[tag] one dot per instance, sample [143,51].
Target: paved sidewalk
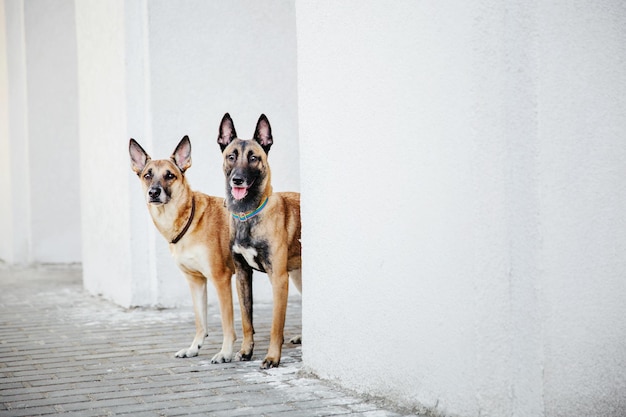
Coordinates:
[63,351]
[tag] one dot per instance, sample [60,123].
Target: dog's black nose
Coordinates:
[237,181]
[154,192]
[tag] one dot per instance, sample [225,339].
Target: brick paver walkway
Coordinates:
[63,351]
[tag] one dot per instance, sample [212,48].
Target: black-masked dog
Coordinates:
[196,227]
[265,230]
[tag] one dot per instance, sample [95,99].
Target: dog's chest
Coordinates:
[192,259]
[255,252]
[249,254]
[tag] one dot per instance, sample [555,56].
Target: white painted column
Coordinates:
[462,209]
[15,208]
[39,139]
[6,210]
[52,102]
[582,163]
[115,248]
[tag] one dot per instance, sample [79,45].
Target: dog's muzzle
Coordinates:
[156,195]
[239,187]
[238,181]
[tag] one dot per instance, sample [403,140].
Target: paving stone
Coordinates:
[30,411]
[21,397]
[262,410]
[65,352]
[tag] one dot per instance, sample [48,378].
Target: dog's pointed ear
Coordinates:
[263,133]
[138,157]
[227,132]
[182,154]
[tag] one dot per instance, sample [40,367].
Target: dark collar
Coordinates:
[182,233]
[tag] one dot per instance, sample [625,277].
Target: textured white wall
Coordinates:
[40,211]
[462,209]
[109,250]
[582,164]
[6,212]
[51,79]
[16,210]
[391,227]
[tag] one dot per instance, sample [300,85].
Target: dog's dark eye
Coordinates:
[231,157]
[169,176]
[253,158]
[148,175]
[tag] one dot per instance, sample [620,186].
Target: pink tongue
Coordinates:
[239,192]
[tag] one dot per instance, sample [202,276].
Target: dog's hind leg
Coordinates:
[225,296]
[244,291]
[280,292]
[197,285]
[296,279]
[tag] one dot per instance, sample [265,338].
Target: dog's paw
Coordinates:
[269,362]
[221,358]
[296,340]
[187,353]
[243,356]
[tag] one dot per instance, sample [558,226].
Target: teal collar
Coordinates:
[245,216]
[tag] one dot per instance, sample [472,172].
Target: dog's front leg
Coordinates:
[225,295]
[244,291]
[197,285]
[280,292]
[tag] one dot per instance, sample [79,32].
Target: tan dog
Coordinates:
[265,230]
[196,226]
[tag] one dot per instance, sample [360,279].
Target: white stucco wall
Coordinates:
[582,162]
[157,71]
[6,210]
[53,130]
[108,247]
[16,210]
[40,211]
[462,209]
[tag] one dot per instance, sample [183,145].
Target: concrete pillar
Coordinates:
[115,264]
[15,215]
[582,166]
[6,211]
[40,211]
[52,100]
[462,209]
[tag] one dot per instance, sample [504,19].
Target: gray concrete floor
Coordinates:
[63,351]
